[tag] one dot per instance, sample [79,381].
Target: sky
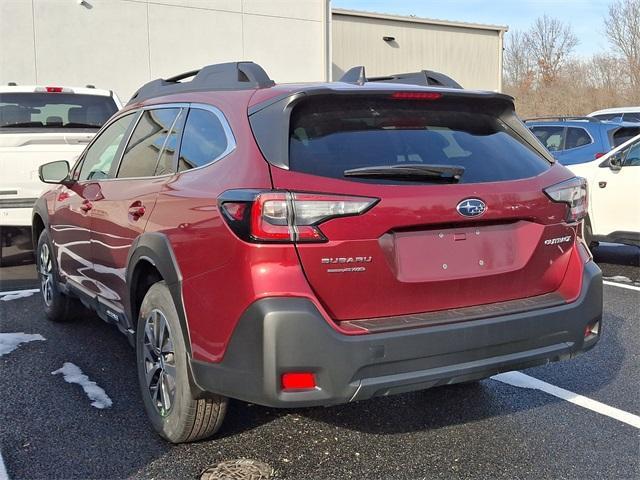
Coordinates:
[586,17]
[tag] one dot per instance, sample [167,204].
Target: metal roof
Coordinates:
[412,19]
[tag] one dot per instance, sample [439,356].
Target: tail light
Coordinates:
[574,193]
[285,217]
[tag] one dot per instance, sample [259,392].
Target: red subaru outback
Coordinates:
[315,244]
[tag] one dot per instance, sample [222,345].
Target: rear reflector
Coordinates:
[573,192]
[298,381]
[416,95]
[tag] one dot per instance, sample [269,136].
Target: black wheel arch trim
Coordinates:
[155,248]
[39,209]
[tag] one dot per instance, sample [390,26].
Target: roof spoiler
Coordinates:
[222,76]
[423,78]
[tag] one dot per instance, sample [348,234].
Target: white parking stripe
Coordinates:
[15,292]
[519,379]
[621,285]
[3,470]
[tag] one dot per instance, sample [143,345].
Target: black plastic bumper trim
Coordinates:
[284,334]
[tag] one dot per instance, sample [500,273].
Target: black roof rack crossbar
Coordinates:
[424,78]
[222,76]
[562,118]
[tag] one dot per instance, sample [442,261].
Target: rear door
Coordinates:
[429,243]
[127,199]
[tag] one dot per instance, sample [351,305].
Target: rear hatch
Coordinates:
[458,217]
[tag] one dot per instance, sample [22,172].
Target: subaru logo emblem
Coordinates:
[471,207]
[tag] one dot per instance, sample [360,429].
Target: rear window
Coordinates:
[330,135]
[54,110]
[622,135]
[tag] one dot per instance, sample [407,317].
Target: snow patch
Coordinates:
[10,341]
[73,374]
[619,278]
[15,295]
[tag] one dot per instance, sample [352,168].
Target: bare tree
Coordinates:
[623,31]
[519,64]
[552,42]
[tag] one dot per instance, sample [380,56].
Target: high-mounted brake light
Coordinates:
[54,89]
[574,193]
[416,95]
[284,217]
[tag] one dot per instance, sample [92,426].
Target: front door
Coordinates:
[71,219]
[615,194]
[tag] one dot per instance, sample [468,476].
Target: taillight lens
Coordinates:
[286,216]
[574,193]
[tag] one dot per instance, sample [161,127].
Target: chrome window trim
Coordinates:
[231,141]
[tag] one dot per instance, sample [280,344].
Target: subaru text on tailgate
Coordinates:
[314,244]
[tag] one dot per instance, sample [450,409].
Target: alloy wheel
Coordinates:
[159,362]
[46,274]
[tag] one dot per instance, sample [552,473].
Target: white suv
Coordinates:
[614,194]
[620,114]
[39,124]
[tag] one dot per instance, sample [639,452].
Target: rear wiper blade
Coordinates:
[410,172]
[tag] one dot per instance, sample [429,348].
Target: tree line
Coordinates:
[545,76]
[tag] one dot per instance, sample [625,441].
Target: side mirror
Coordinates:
[615,162]
[55,172]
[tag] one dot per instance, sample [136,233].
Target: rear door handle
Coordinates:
[136,210]
[86,206]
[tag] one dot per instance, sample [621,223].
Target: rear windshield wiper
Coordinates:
[410,172]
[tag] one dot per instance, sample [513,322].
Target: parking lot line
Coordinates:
[3,470]
[15,292]
[519,379]
[621,285]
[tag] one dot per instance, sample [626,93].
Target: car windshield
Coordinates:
[54,110]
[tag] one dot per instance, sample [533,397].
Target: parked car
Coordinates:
[314,244]
[573,140]
[39,124]
[620,114]
[614,198]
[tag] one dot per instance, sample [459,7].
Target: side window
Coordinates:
[632,117]
[145,150]
[204,139]
[99,158]
[551,137]
[632,157]
[576,137]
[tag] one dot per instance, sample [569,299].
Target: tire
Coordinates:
[163,374]
[57,306]
[587,231]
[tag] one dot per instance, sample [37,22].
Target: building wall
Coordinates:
[120,44]
[471,56]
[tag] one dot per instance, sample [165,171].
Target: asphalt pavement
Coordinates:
[48,428]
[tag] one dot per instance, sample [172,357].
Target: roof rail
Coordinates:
[424,78]
[90,86]
[563,118]
[222,76]
[12,84]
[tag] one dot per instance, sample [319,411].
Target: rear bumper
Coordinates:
[278,335]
